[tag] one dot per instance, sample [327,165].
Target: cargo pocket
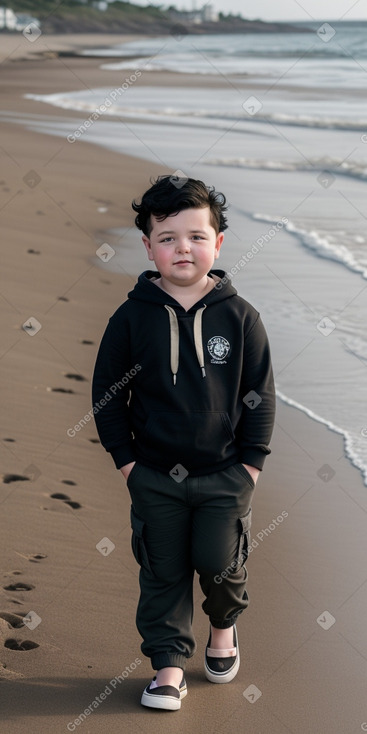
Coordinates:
[245,537]
[137,541]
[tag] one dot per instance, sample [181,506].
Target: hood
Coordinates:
[146,290]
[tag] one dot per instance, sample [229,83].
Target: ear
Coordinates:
[218,244]
[148,246]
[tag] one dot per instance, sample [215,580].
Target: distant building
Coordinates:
[15,21]
[8,19]
[209,14]
[100,4]
[97,4]
[206,14]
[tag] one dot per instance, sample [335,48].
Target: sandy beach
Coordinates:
[67,617]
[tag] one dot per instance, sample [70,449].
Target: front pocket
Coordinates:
[244,473]
[133,471]
[137,541]
[195,437]
[244,537]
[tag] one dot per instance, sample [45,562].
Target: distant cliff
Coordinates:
[72,16]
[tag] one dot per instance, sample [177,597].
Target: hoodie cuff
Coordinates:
[122,455]
[253,457]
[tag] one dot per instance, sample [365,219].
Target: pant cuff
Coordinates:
[224,625]
[168,659]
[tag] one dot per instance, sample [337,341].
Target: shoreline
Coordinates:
[14,46]
[87,602]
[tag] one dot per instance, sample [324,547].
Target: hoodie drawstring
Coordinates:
[198,338]
[175,340]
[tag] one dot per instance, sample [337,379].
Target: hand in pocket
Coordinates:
[125,470]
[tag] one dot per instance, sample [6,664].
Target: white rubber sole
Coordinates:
[169,703]
[223,677]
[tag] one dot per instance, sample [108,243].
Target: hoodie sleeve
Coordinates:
[258,394]
[110,393]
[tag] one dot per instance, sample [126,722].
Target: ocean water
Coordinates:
[267,55]
[284,136]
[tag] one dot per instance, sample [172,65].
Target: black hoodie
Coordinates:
[184,387]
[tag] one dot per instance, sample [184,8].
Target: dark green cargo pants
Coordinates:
[182,524]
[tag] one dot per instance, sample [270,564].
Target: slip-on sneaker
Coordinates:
[164,697]
[221,666]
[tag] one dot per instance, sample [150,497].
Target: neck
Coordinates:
[197,289]
[188,295]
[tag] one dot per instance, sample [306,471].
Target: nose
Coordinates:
[183,245]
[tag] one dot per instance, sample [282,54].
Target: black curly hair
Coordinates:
[170,194]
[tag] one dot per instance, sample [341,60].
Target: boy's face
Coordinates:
[183,246]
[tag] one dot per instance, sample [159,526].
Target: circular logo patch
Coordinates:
[218,348]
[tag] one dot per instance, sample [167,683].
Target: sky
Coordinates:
[278,9]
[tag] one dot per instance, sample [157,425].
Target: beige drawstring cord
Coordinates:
[175,340]
[198,338]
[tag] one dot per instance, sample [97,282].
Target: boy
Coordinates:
[187,366]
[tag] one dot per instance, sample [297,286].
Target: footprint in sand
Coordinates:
[19,586]
[104,202]
[37,557]
[60,389]
[62,298]
[14,644]
[86,341]
[10,440]
[32,557]
[15,620]
[7,621]
[94,440]
[65,498]
[75,376]
[33,252]
[8,478]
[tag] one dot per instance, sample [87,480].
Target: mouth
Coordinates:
[183,262]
